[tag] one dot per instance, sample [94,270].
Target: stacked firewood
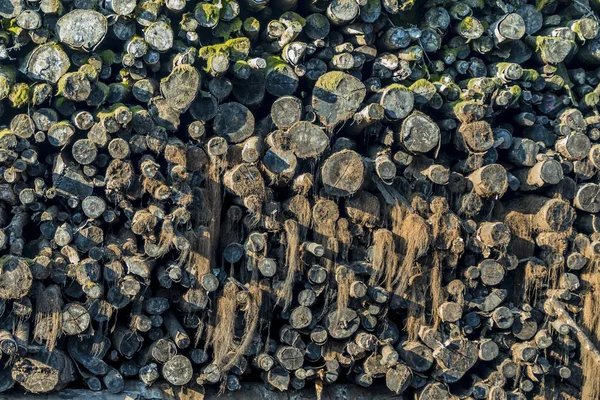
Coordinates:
[303,193]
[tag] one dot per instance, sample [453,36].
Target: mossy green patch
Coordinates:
[104,89]
[469,23]
[39,92]
[415,53]
[14,28]
[109,111]
[61,102]
[553,49]
[530,75]
[515,92]
[188,23]
[591,99]
[90,72]
[292,17]
[422,86]
[69,76]
[483,85]
[275,63]
[540,42]
[19,95]
[449,51]
[207,14]
[236,49]
[407,5]
[240,65]
[540,4]
[108,57]
[226,29]
[330,81]
[5,131]
[9,73]
[136,109]
[251,24]
[5,86]
[463,109]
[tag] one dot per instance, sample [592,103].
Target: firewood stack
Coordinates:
[381,192]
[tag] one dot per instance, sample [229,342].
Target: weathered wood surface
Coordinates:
[305,193]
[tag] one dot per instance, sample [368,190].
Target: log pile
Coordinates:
[391,193]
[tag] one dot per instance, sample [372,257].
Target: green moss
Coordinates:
[503,68]
[468,23]
[226,29]
[275,63]
[415,53]
[423,90]
[38,92]
[62,82]
[95,61]
[422,85]
[9,72]
[19,95]
[136,109]
[471,28]
[240,64]
[540,4]
[206,52]
[292,17]
[108,57]
[90,72]
[448,51]
[397,86]
[591,99]
[209,66]
[463,108]
[5,131]
[104,89]
[330,81]
[61,102]
[547,47]
[483,85]
[179,70]
[209,13]
[530,75]
[555,82]
[109,112]
[515,91]
[407,5]
[188,23]
[7,257]
[584,26]
[236,49]
[251,24]
[5,86]
[123,74]
[14,28]
[540,42]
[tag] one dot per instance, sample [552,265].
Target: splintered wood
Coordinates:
[209,194]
